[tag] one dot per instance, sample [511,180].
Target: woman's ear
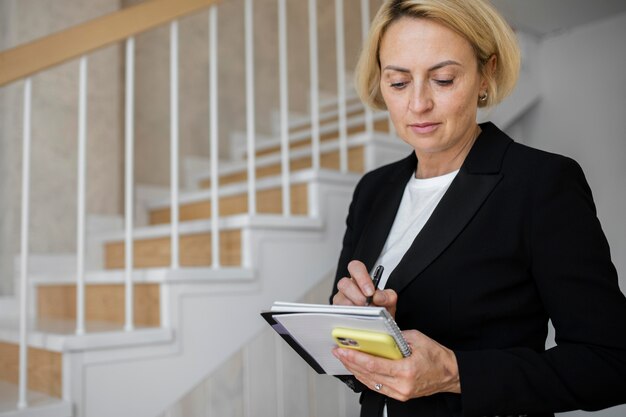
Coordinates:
[489,70]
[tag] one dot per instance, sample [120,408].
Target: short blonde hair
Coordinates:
[475,20]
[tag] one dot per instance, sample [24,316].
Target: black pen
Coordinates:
[378,272]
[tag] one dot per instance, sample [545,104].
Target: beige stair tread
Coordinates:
[60,335]
[257,221]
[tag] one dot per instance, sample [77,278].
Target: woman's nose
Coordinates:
[420,100]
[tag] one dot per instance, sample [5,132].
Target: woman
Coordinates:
[483,240]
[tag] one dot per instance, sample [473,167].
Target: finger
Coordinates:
[385,386]
[386,298]
[342,300]
[413,336]
[390,386]
[360,274]
[418,340]
[364,363]
[349,293]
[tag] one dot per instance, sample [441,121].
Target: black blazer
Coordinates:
[514,242]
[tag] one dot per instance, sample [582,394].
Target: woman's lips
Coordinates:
[423,127]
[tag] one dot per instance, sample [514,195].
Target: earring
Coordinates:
[483,97]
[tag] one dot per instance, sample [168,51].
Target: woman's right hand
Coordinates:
[355,289]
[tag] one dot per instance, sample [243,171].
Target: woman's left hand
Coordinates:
[430,369]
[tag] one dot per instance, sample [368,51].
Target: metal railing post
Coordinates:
[315,105]
[365,25]
[174,183]
[284,106]
[129,140]
[23,349]
[341,86]
[214,138]
[81,195]
[250,107]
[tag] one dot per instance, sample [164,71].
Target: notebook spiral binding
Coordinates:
[395,331]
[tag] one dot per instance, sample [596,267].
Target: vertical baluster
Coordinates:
[26,137]
[365,24]
[129,140]
[175,262]
[284,105]
[214,136]
[341,86]
[81,210]
[250,107]
[315,102]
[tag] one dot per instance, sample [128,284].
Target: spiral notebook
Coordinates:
[307,329]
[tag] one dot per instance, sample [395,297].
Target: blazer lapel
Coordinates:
[383,213]
[477,178]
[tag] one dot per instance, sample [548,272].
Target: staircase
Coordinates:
[188,321]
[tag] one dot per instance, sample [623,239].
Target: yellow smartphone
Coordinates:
[374,343]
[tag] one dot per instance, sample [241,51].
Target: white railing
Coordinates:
[23,366]
[174,183]
[314,91]
[250,118]
[341,86]
[214,137]
[129,140]
[365,25]
[213,117]
[284,105]
[81,206]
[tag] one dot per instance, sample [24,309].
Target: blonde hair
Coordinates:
[475,20]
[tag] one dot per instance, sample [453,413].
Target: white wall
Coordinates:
[583,115]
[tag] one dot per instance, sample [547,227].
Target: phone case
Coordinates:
[375,343]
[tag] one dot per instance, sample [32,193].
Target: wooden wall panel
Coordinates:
[195,250]
[44,368]
[103,303]
[268,202]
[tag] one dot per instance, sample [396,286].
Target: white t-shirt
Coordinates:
[419,200]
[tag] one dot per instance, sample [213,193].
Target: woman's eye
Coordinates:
[398,85]
[444,82]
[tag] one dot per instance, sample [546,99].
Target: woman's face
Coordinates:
[430,83]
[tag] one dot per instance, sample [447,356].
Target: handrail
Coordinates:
[30,58]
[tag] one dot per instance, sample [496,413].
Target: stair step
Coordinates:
[44,368]
[195,250]
[268,201]
[328,111]
[39,404]
[329,132]
[103,303]
[60,335]
[303,137]
[328,160]
[353,111]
